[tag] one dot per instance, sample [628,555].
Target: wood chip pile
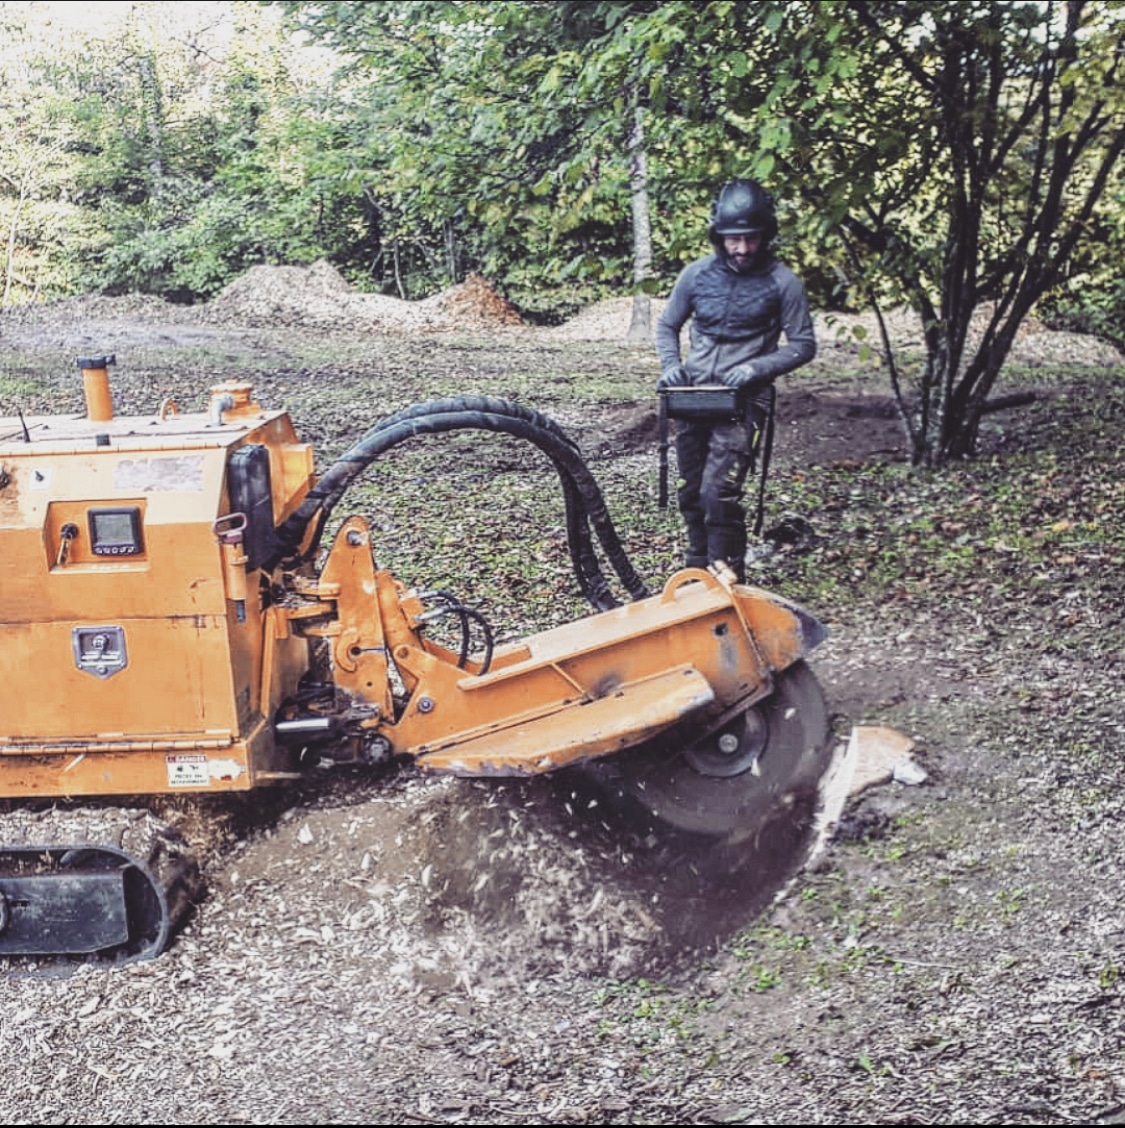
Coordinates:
[317,297]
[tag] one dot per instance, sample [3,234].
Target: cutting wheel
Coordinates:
[733,779]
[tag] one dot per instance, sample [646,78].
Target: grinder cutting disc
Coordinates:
[729,782]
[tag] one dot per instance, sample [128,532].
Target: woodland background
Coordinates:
[943,157]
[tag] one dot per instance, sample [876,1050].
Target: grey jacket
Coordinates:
[737,319]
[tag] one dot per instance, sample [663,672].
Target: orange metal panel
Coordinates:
[177,680]
[166,767]
[583,661]
[625,717]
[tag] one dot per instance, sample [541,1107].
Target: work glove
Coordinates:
[673,377]
[746,378]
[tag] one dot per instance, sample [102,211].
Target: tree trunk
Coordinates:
[451,252]
[10,271]
[153,102]
[398,269]
[640,327]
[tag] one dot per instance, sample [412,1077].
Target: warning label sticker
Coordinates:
[188,770]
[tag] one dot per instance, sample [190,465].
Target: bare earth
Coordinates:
[383,948]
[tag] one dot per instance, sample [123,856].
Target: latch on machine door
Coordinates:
[99,650]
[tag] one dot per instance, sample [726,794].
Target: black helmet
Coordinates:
[743,207]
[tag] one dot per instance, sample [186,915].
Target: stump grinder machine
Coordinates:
[172,625]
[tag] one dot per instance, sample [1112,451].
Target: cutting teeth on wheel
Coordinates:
[731,784]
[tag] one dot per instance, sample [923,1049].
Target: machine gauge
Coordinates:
[116,532]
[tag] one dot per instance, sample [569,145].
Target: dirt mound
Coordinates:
[606,320]
[319,297]
[283,283]
[475,301]
[1035,346]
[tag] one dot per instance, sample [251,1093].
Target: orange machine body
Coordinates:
[126,666]
[150,645]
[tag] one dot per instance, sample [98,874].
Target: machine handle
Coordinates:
[230,527]
[66,534]
[687,576]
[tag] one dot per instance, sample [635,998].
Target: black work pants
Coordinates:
[714,460]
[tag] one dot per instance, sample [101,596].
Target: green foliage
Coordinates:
[491,153]
[13,387]
[186,164]
[413,142]
[41,223]
[1091,297]
[1095,309]
[907,130]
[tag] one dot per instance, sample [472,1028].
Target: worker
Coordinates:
[741,300]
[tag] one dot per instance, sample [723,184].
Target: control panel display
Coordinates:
[116,532]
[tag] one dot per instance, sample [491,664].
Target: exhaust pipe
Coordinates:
[95,387]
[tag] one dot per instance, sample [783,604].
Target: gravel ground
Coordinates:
[402,950]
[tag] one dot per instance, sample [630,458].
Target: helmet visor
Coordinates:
[735,228]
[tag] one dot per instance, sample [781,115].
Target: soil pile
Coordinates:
[318,297]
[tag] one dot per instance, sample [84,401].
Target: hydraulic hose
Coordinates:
[584,561]
[585,505]
[464,615]
[584,501]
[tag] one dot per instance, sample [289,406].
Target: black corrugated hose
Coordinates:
[585,505]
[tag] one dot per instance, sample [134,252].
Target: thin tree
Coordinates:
[958,153]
